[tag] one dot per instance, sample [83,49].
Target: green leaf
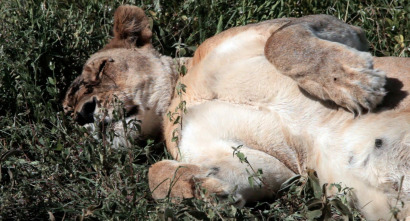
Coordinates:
[337,185]
[52,65]
[311,215]
[241,156]
[289,182]
[169,214]
[199,215]
[314,183]
[314,204]
[183,70]
[220,24]
[211,214]
[59,146]
[51,80]
[251,181]
[176,121]
[182,52]
[343,209]
[183,87]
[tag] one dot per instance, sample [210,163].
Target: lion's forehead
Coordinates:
[123,54]
[140,61]
[124,69]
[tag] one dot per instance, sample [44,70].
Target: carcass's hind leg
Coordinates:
[325,56]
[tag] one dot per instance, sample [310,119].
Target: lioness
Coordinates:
[290,94]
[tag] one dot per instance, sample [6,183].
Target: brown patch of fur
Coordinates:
[182,181]
[316,51]
[170,178]
[131,28]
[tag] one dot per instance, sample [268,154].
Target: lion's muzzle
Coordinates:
[86,114]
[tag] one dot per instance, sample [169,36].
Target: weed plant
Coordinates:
[53,169]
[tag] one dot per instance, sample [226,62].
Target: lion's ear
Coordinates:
[131,27]
[93,71]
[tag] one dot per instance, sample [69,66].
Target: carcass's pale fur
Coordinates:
[286,115]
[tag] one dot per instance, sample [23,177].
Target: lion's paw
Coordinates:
[208,187]
[362,89]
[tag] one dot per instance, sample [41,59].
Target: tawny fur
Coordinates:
[131,28]
[279,91]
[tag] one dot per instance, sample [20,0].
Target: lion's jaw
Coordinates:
[132,84]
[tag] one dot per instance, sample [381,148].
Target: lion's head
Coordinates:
[127,73]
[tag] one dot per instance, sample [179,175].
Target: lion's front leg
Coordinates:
[222,174]
[176,180]
[325,56]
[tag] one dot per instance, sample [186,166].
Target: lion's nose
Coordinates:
[86,115]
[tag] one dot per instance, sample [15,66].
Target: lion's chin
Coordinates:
[118,135]
[125,132]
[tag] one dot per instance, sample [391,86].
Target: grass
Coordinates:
[50,167]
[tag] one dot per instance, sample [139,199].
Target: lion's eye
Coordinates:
[89,90]
[102,66]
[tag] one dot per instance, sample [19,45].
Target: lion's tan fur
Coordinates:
[280,90]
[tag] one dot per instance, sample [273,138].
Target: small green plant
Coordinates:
[253,174]
[176,117]
[313,201]
[396,208]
